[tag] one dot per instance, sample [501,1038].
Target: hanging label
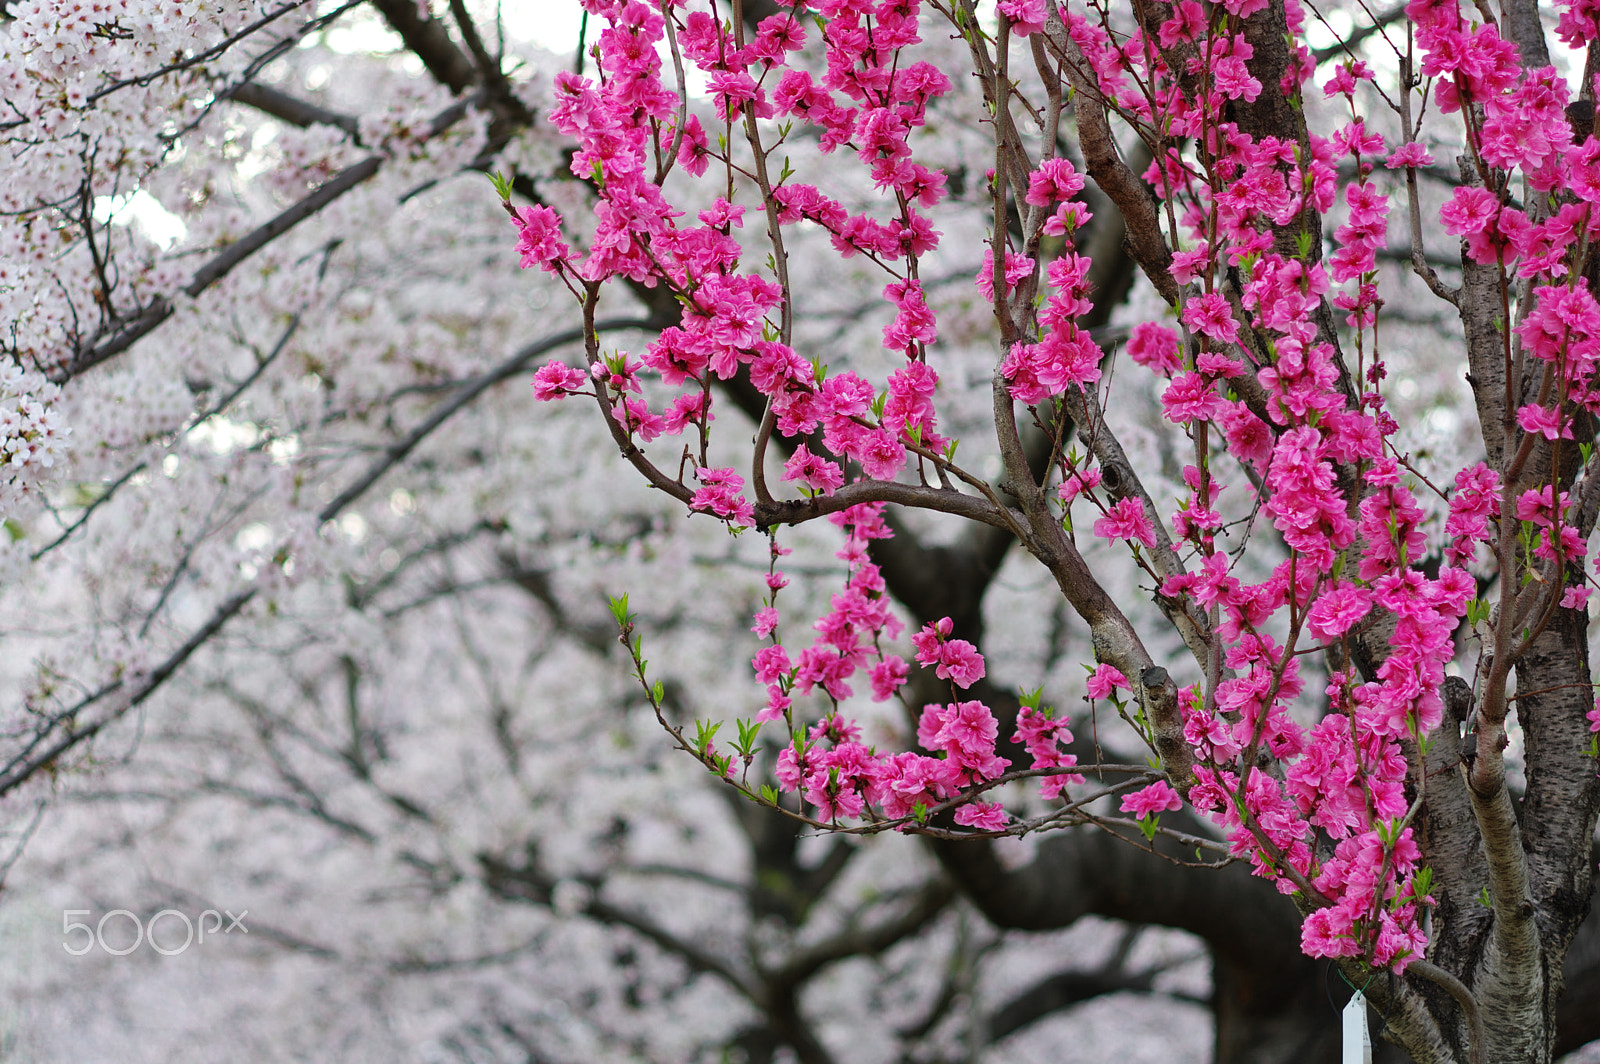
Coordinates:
[1357,1042]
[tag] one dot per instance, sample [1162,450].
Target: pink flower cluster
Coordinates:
[955,660]
[627,123]
[1344,779]
[1066,355]
[843,779]
[1250,361]
[1042,734]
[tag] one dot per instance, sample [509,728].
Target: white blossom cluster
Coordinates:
[94,96]
[70,46]
[129,409]
[32,435]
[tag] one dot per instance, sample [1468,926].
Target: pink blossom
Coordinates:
[1469,210]
[771,663]
[1337,610]
[1187,23]
[888,676]
[1190,397]
[539,238]
[814,472]
[721,496]
[1316,443]
[1105,679]
[881,455]
[692,408]
[1054,181]
[913,322]
[776,706]
[1127,520]
[967,725]
[1159,797]
[1077,482]
[1544,421]
[956,659]
[985,816]
[555,380]
[1017,267]
[1156,347]
[960,662]
[1329,933]
[1409,154]
[930,638]
[1211,316]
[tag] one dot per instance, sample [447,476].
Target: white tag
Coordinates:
[1357,1043]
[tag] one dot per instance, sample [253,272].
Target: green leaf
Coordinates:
[769,794]
[1148,824]
[705,731]
[502,185]
[1483,898]
[619,610]
[747,736]
[1477,610]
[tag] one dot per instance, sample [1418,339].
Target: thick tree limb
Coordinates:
[1520,22]
[427,38]
[291,109]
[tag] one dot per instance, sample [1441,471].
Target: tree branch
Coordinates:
[124,334]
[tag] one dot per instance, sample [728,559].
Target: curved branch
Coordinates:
[1469,1005]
